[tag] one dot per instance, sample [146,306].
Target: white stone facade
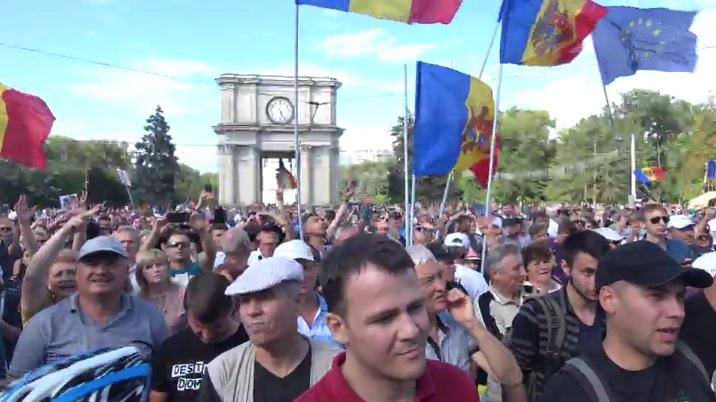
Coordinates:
[247,134]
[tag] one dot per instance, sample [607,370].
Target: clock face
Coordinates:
[280,110]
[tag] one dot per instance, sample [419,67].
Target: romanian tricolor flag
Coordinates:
[25,124]
[650,175]
[453,126]
[284,178]
[408,11]
[546,32]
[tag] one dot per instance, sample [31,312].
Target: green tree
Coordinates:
[429,189]
[156,167]
[190,182]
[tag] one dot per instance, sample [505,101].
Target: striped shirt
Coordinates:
[528,341]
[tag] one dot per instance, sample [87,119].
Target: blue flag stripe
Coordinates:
[342,5]
[517,22]
[441,116]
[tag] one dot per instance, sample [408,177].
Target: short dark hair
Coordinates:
[567,227]
[205,299]
[537,251]
[537,228]
[588,242]
[219,226]
[351,258]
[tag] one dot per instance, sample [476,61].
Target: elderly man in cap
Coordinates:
[313,309]
[470,279]
[641,290]
[278,364]
[99,315]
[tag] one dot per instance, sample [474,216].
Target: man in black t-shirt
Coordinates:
[700,322]
[641,290]
[179,364]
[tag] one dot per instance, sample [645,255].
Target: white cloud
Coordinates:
[362,138]
[176,86]
[375,42]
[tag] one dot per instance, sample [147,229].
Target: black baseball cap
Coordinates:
[646,264]
[442,253]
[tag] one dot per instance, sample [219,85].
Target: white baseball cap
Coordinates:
[457,240]
[266,274]
[680,222]
[706,262]
[294,250]
[609,234]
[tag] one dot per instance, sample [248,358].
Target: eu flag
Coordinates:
[630,39]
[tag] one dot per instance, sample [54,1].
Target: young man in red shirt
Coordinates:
[377,309]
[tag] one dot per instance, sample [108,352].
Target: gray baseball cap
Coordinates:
[102,244]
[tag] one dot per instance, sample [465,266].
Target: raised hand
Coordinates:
[23,211]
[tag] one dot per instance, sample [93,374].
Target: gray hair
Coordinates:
[236,241]
[128,229]
[420,254]
[497,255]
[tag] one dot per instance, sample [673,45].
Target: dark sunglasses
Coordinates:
[420,229]
[655,220]
[178,244]
[5,229]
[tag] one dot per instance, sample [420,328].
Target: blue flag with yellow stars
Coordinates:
[630,39]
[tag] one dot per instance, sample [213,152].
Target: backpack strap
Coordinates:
[588,379]
[556,327]
[684,350]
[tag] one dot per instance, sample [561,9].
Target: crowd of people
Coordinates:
[571,302]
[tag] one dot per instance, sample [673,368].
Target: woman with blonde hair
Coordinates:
[157,287]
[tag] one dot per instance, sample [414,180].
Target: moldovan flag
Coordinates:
[25,124]
[408,11]
[546,32]
[453,124]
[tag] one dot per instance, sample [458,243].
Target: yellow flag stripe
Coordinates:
[397,10]
[4,118]
[479,104]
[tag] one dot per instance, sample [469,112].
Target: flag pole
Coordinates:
[296,140]
[482,70]
[632,141]
[493,140]
[412,213]
[405,157]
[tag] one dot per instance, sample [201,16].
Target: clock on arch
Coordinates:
[280,110]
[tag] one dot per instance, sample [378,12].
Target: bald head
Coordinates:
[236,242]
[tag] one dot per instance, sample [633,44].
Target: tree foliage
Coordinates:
[672,133]
[155,165]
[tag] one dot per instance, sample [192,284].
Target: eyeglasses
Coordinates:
[704,237]
[5,229]
[655,220]
[178,244]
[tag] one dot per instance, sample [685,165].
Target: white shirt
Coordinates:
[220,257]
[471,280]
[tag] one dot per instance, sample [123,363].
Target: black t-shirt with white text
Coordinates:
[669,379]
[179,364]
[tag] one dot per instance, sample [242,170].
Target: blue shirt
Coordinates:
[319,331]
[63,330]
[455,345]
[678,250]
[182,276]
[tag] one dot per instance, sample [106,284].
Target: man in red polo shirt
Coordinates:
[376,309]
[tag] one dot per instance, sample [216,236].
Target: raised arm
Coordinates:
[347,195]
[283,217]
[24,220]
[199,224]
[153,239]
[35,281]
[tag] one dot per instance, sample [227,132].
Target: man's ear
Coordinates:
[565,268]
[608,299]
[338,327]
